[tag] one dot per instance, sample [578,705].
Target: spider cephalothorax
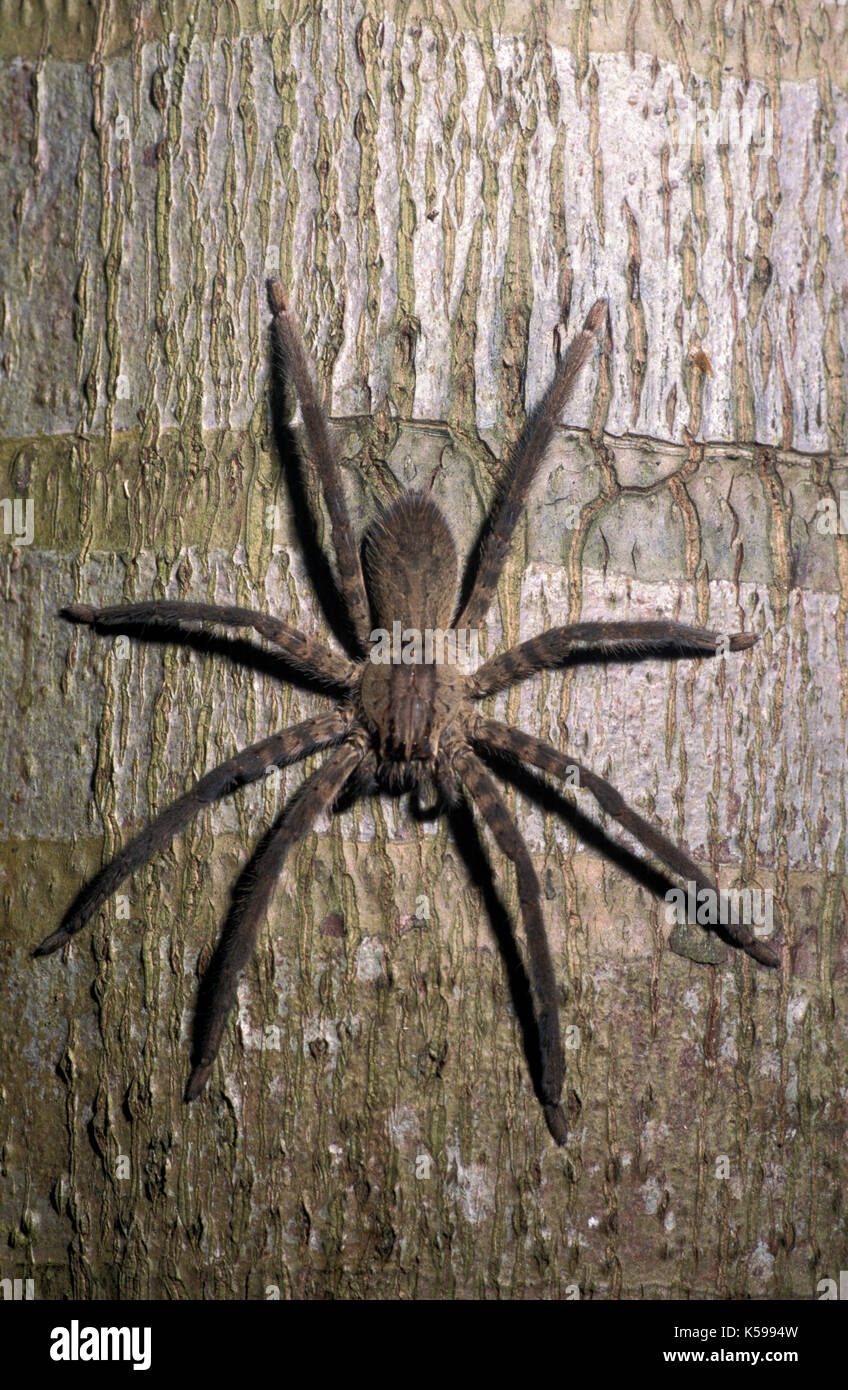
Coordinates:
[410,694]
[408,712]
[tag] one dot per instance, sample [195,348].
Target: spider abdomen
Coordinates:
[411,566]
[413,683]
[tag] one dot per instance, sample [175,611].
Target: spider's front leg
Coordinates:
[524,465]
[291,356]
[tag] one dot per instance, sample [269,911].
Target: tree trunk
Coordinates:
[439,192]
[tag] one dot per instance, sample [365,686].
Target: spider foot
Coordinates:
[197,1080]
[54,942]
[556,1122]
[276,295]
[79,613]
[765,952]
[595,316]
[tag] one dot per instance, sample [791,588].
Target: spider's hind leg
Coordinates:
[524,465]
[551,1067]
[235,948]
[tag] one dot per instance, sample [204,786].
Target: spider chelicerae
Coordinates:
[409,723]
